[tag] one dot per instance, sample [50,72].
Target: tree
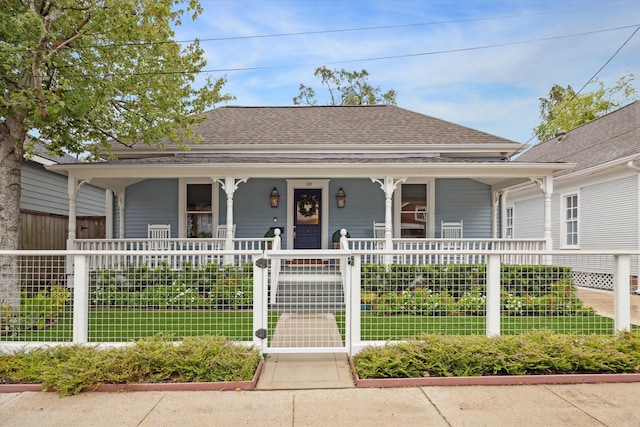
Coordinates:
[345,88]
[80,74]
[564,109]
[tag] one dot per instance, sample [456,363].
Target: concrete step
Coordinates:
[307,308]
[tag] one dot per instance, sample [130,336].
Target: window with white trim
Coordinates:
[199,210]
[570,220]
[508,221]
[414,211]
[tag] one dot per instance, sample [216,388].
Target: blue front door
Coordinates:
[308,234]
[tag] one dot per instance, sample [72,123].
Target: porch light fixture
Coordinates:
[341,198]
[274,197]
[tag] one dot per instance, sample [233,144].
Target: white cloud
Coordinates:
[495,90]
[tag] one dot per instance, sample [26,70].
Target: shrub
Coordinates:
[70,369]
[531,353]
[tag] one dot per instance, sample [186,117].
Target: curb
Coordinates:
[192,386]
[497,380]
[492,380]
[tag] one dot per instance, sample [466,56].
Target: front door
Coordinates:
[308,229]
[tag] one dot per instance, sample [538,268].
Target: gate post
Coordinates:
[80,300]
[493,295]
[259,313]
[355,319]
[621,297]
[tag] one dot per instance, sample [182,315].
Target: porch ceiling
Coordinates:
[118,175]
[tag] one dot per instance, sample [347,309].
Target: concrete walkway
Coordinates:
[602,302]
[542,405]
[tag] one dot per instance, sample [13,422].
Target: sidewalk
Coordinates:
[541,405]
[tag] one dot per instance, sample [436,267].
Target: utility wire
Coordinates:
[271,67]
[333,31]
[591,79]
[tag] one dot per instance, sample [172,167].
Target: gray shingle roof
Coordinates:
[322,127]
[378,124]
[606,139]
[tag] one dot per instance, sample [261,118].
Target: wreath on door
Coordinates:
[311,202]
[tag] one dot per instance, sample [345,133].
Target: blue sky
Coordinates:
[438,55]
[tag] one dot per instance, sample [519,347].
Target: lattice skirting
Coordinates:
[600,280]
[593,280]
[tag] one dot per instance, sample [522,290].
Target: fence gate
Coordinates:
[306,306]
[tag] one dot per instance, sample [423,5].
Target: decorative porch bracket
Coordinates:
[546,186]
[389,185]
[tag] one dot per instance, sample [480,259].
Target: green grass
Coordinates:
[119,325]
[396,327]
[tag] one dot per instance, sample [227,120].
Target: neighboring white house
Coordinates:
[595,205]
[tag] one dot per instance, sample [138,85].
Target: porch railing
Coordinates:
[434,251]
[207,250]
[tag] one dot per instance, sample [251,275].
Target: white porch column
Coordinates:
[121,228]
[546,185]
[73,187]
[72,191]
[230,185]
[496,197]
[108,226]
[547,191]
[389,185]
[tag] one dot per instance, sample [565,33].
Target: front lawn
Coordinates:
[121,325]
[376,328]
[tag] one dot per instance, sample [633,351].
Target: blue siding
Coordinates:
[45,191]
[156,201]
[252,211]
[365,203]
[466,200]
[152,201]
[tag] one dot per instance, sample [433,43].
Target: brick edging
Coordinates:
[492,380]
[192,386]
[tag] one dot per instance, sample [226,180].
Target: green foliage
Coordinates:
[203,286]
[70,369]
[532,353]
[460,289]
[473,302]
[84,75]
[345,88]
[36,311]
[564,109]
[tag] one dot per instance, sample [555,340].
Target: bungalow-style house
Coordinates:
[596,204]
[312,170]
